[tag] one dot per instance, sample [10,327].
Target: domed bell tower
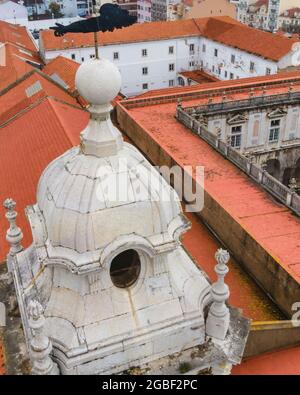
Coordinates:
[115,285]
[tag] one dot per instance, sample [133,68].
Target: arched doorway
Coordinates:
[125,268]
[273,167]
[181,81]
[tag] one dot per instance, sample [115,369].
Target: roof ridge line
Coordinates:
[24,110]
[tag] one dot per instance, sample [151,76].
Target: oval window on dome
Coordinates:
[125,268]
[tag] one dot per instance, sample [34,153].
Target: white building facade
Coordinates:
[14,13]
[156,64]
[144,11]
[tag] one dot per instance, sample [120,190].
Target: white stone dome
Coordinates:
[75,198]
[105,189]
[98,81]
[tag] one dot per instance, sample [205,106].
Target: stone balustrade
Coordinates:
[284,194]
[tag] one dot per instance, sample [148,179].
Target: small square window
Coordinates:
[145,86]
[116,55]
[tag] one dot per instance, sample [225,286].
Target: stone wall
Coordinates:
[268,273]
[270,336]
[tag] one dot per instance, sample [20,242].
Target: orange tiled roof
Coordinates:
[65,69]
[273,225]
[199,76]
[248,39]
[14,63]
[291,12]
[281,362]
[28,143]
[17,96]
[17,35]
[221,29]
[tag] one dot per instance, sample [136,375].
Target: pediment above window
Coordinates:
[277,113]
[237,119]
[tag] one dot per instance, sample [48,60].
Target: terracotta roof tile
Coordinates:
[199,76]
[15,63]
[27,145]
[16,34]
[248,39]
[17,97]
[281,362]
[64,68]
[291,12]
[222,29]
[221,85]
[137,32]
[273,225]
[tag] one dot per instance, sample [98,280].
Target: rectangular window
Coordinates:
[236,136]
[231,76]
[192,48]
[171,50]
[252,65]
[226,74]
[145,86]
[73,56]
[274,130]
[144,52]
[116,55]
[203,48]
[145,70]
[192,64]
[92,56]
[268,71]
[171,67]
[82,59]
[171,82]
[216,52]
[213,68]
[232,58]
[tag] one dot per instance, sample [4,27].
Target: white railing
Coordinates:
[284,194]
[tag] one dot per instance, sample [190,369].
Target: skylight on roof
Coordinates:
[33,89]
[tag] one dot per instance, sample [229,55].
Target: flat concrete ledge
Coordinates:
[271,336]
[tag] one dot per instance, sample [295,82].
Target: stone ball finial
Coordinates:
[9,204]
[98,81]
[222,256]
